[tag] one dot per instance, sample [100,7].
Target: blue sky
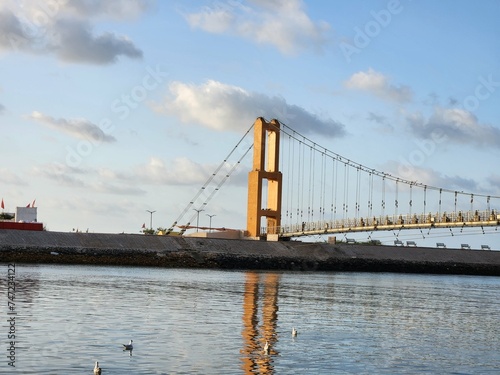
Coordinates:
[109,109]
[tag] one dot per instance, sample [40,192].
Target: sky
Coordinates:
[110,109]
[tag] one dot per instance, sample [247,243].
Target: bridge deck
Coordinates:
[387,223]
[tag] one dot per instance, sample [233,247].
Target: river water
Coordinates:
[217,322]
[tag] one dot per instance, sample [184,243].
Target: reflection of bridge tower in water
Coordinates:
[265,170]
[254,334]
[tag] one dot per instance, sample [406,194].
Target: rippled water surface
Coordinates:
[217,322]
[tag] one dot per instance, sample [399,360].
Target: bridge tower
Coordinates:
[265,168]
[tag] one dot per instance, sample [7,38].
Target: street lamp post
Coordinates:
[198,217]
[151,219]
[210,227]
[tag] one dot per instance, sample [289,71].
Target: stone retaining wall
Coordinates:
[165,251]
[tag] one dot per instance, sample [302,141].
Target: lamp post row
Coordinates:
[210,227]
[197,219]
[151,219]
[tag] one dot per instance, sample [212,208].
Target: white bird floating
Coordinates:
[97,369]
[294,332]
[128,346]
[266,348]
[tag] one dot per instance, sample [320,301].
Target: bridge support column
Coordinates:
[265,168]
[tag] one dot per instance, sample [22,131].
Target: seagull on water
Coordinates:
[97,369]
[266,348]
[128,346]
[294,332]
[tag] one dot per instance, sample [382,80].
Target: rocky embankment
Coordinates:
[165,251]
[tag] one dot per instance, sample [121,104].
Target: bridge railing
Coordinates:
[388,222]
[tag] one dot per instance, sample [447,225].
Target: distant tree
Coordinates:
[6,216]
[159,231]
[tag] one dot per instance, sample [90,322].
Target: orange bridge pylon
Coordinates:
[265,169]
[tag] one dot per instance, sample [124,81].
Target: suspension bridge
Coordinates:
[297,187]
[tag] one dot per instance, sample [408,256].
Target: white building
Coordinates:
[26,214]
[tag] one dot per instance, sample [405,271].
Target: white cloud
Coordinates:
[457,125]
[62,174]
[383,124]
[430,177]
[377,84]
[77,44]
[215,21]
[155,172]
[12,35]
[2,108]
[180,171]
[223,107]
[283,24]
[78,128]
[494,182]
[66,29]
[101,181]
[116,189]
[117,9]
[11,178]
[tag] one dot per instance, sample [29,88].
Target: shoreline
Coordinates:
[190,252]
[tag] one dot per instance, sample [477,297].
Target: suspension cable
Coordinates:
[396,203]
[358,186]
[346,191]
[301,178]
[285,129]
[383,196]
[322,187]
[440,193]
[411,197]
[425,200]
[456,194]
[219,185]
[334,189]
[209,180]
[370,195]
[290,180]
[310,198]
